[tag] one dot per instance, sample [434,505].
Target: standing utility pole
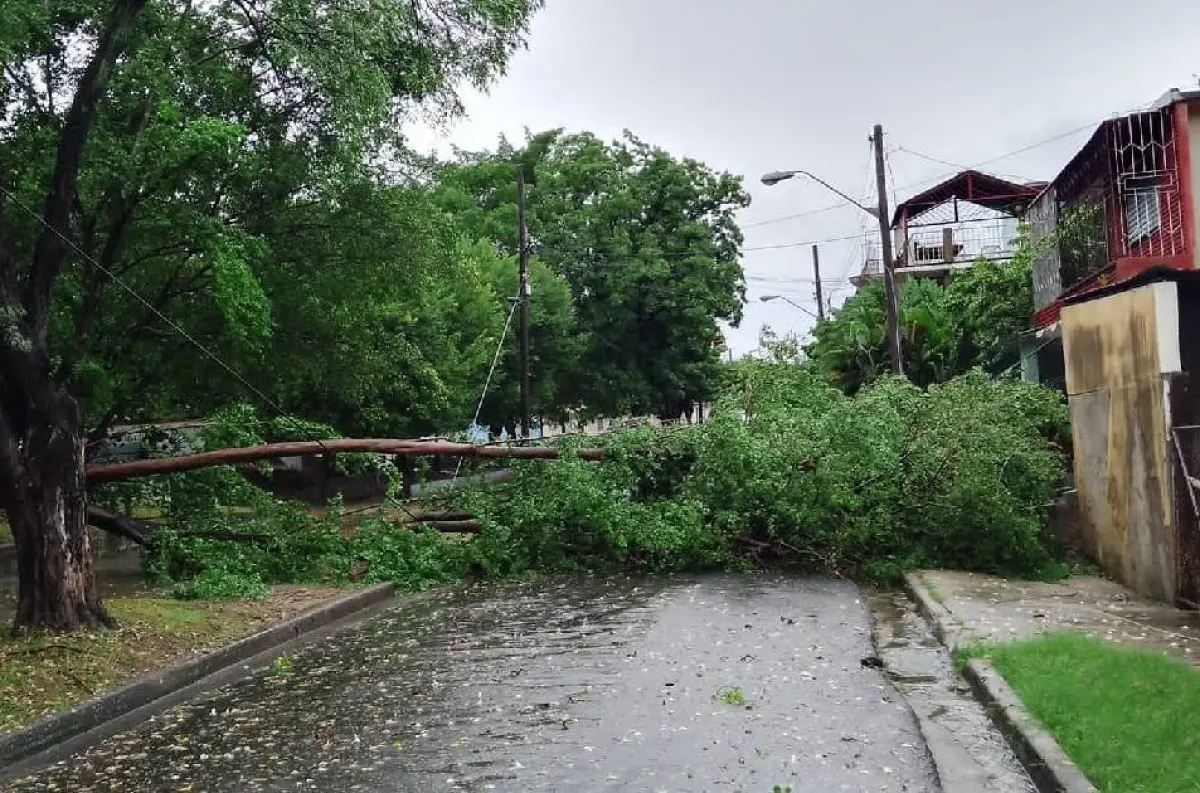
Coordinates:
[817,279]
[523,305]
[889,275]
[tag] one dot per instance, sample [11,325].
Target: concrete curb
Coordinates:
[144,695]
[1048,765]
[1041,755]
[945,627]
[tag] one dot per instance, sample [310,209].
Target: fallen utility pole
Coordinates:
[889,265]
[112,472]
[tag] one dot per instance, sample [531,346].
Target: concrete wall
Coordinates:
[1118,350]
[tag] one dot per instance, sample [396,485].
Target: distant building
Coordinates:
[138,441]
[952,225]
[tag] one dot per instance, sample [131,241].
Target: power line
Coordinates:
[1004,156]
[795,215]
[937,160]
[887,158]
[487,383]
[157,313]
[800,244]
[957,166]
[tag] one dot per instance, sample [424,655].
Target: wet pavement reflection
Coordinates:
[725,683]
[971,756]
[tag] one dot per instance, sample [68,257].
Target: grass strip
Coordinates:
[43,673]
[1130,719]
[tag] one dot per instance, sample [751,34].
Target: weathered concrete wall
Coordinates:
[1117,350]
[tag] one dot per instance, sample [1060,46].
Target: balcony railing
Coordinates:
[938,249]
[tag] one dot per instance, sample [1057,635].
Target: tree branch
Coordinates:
[26,85]
[135,530]
[51,246]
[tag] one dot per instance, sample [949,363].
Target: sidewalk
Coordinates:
[986,608]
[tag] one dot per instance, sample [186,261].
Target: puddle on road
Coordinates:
[970,753]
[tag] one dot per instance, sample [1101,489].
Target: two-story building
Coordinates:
[1117,325]
[950,226]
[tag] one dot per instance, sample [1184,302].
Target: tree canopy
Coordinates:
[975,320]
[647,244]
[171,171]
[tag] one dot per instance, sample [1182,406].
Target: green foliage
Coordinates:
[216,583]
[280,666]
[733,696]
[973,321]
[241,176]
[218,550]
[792,470]
[647,245]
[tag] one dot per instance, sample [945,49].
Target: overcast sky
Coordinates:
[750,86]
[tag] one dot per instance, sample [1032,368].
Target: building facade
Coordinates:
[1117,326]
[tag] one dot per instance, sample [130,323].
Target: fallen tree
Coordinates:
[142,533]
[113,472]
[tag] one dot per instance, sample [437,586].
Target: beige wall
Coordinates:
[1117,350]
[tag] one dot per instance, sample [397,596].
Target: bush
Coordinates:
[891,479]
[216,583]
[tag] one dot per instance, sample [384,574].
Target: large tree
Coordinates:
[648,244]
[147,149]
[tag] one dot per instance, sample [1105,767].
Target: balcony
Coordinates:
[1115,210]
[952,225]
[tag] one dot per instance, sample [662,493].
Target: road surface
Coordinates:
[699,684]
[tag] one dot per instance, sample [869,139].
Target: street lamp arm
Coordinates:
[790,302]
[794,304]
[872,212]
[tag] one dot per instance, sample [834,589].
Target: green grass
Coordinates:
[42,673]
[1130,719]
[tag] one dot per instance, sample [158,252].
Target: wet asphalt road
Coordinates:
[706,684]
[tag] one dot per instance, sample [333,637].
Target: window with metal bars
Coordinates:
[1143,213]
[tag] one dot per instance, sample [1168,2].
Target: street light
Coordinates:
[789,301]
[775,177]
[881,215]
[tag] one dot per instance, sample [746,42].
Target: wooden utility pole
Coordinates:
[523,305]
[817,280]
[889,276]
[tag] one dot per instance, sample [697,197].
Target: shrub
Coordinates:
[217,583]
[891,479]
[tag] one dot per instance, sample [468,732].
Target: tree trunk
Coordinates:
[42,489]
